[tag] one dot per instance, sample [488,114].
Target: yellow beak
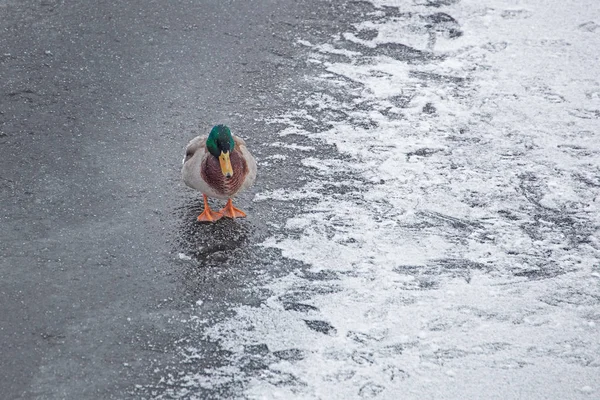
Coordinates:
[225,164]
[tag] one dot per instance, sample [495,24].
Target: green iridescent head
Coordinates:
[220,141]
[220,144]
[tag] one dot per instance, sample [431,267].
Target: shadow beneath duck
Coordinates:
[210,244]
[222,260]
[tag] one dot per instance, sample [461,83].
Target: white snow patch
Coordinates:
[276,157]
[304,43]
[292,146]
[306,192]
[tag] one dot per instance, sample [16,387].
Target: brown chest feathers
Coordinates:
[211,173]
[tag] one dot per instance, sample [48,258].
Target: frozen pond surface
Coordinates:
[450,247]
[425,223]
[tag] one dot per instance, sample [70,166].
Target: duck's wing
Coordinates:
[191,171]
[195,148]
[239,141]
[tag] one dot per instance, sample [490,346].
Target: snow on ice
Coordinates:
[464,263]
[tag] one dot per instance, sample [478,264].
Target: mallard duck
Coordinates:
[220,166]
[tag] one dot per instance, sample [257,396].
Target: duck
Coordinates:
[219,166]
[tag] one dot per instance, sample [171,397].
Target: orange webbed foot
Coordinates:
[230,211]
[209,215]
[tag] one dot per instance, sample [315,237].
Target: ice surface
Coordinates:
[465,262]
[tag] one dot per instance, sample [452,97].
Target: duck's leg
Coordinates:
[209,215]
[231,212]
